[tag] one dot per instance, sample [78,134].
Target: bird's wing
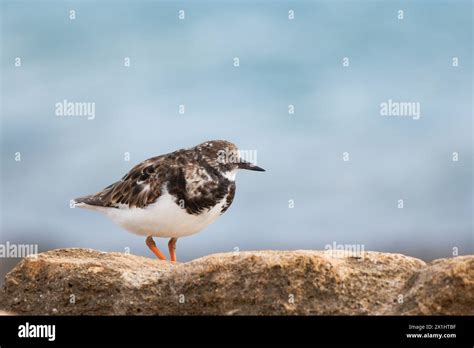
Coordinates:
[194,183]
[139,187]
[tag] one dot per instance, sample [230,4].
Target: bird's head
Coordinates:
[225,157]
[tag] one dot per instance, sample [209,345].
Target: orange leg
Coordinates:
[152,245]
[172,249]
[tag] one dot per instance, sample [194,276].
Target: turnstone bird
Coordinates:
[173,195]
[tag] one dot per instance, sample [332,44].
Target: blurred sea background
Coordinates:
[282,62]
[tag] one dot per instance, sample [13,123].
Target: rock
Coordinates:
[5,313]
[82,281]
[445,287]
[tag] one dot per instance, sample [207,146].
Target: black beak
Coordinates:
[249,166]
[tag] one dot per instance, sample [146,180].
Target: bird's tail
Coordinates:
[83,202]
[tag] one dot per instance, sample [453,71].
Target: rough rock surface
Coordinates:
[5,313]
[82,281]
[445,287]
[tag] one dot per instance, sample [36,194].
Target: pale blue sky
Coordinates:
[281,62]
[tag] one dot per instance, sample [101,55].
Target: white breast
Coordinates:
[164,218]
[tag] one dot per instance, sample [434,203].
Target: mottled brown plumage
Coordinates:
[173,195]
[194,176]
